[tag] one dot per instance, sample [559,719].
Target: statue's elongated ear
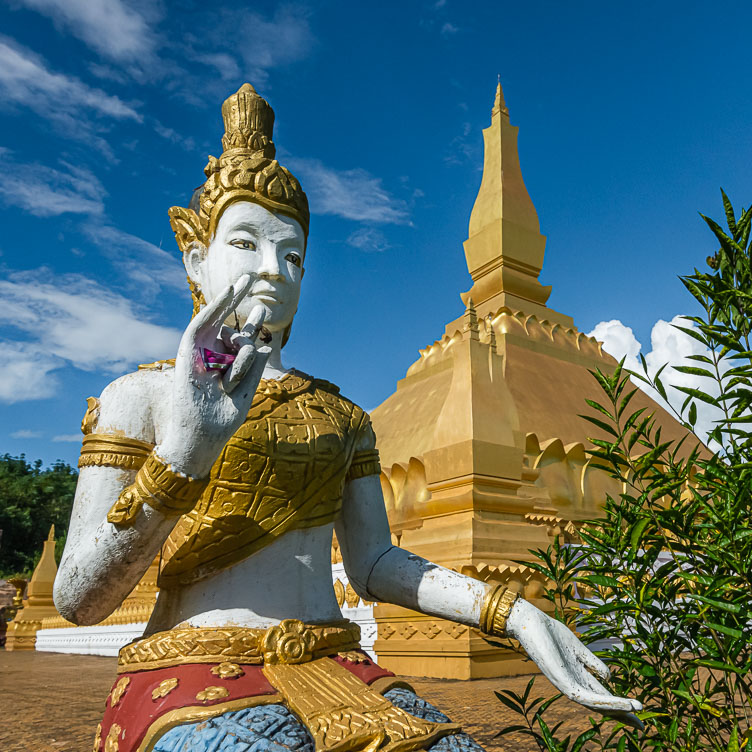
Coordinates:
[186,226]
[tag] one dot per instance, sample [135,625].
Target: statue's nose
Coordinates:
[269,261]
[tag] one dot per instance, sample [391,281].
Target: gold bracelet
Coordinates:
[496,610]
[159,486]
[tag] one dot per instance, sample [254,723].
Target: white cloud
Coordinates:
[169,134]
[73,438]
[110,27]
[668,345]
[352,194]
[72,322]
[226,65]
[368,239]
[448,29]
[26,373]
[264,43]
[68,102]
[146,264]
[47,192]
[24,433]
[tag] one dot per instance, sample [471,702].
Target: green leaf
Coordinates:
[513,702]
[733,608]
[692,415]
[730,631]
[637,531]
[601,424]
[603,580]
[694,371]
[547,736]
[730,218]
[582,738]
[697,394]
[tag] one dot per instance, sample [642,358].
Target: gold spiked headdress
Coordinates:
[247,170]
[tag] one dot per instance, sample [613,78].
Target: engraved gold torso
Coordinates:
[284,469]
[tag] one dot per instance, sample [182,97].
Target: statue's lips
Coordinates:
[266,295]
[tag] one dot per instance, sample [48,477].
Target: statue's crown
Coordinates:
[249,121]
[246,170]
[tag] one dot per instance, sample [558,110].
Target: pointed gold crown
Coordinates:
[247,170]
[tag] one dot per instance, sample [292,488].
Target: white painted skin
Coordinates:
[253,269]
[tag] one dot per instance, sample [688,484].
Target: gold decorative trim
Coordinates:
[385,683]
[119,690]
[343,714]
[289,642]
[111,743]
[194,714]
[97,738]
[241,645]
[212,693]
[164,688]
[159,486]
[364,464]
[227,670]
[108,450]
[496,609]
[91,416]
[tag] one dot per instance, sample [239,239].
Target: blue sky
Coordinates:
[631,116]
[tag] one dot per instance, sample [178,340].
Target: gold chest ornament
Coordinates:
[283,469]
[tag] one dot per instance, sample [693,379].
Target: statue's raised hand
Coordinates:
[207,406]
[567,663]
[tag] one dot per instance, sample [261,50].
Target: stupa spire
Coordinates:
[504,249]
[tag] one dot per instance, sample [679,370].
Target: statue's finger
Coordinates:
[594,663]
[187,352]
[254,322]
[628,719]
[603,702]
[249,382]
[239,290]
[239,368]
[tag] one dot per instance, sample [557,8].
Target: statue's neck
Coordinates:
[274,367]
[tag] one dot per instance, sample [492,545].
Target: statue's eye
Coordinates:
[293,258]
[244,243]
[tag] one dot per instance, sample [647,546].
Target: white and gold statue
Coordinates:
[235,469]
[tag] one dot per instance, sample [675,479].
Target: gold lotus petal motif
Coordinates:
[212,693]
[164,688]
[227,670]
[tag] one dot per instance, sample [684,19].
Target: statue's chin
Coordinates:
[277,314]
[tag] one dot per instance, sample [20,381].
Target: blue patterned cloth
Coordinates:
[273,728]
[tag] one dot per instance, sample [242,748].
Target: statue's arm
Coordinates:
[199,410]
[103,562]
[381,571]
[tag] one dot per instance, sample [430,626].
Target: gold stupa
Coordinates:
[482,449]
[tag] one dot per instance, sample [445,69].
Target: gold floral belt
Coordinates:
[289,642]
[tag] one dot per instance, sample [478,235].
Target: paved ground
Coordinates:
[52,703]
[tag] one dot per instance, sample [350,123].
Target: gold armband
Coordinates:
[363,464]
[109,450]
[496,610]
[159,486]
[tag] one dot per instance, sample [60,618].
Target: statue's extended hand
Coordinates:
[207,408]
[565,662]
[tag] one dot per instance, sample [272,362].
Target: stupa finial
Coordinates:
[500,106]
[504,249]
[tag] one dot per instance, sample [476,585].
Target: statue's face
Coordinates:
[268,247]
